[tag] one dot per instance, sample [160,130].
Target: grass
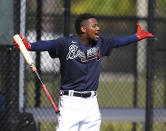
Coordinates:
[114,126]
[104,126]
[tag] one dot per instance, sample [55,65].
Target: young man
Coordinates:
[80,57]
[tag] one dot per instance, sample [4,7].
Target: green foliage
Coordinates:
[104,7]
[160,5]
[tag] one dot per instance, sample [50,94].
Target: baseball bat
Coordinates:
[30,62]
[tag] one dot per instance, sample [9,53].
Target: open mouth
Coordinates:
[97,35]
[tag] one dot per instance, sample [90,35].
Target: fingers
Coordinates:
[14,42]
[21,36]
[148,34]
[142,33]
[151,35]
[137,24]
[138,29]
[16,45]
[23,39]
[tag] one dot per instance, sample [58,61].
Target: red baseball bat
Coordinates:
[45,89]
[34,69]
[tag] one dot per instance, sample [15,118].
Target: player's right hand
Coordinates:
[26,43]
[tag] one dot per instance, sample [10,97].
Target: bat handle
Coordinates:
[50,98]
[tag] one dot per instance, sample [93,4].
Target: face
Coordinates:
[91,29]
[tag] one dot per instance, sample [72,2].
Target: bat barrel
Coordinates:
[23,49]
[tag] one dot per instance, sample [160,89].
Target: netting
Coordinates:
[132,78]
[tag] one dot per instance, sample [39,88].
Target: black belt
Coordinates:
[79,94]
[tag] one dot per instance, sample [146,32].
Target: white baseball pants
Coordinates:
[78,114]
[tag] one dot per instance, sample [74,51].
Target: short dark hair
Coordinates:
[80,19]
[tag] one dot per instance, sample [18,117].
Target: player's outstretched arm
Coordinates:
[141,34]
[26,43]
[35,46]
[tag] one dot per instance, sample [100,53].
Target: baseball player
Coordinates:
[80,58]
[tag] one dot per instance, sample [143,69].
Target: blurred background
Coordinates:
[132,89]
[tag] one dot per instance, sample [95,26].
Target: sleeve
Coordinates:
[109,43]
[124,40]
[52,46]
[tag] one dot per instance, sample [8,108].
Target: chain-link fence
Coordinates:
[131,92]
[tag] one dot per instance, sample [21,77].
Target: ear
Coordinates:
[83,29]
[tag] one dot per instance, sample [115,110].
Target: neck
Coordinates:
[84,40]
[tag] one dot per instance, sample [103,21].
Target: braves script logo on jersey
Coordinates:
[74,52]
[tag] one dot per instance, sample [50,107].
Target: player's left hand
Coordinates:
[141,34]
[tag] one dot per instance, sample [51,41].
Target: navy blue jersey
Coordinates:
[80,64]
